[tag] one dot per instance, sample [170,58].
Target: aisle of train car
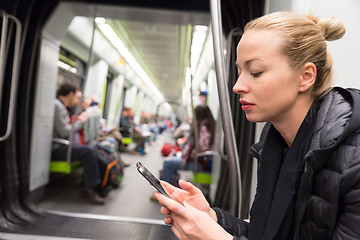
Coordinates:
[131,199]
[127,214]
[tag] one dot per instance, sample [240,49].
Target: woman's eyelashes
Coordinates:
[248,71]
[256,74]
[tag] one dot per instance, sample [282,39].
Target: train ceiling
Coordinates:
[159,39]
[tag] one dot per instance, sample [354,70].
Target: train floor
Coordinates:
[131,199]
[128,212]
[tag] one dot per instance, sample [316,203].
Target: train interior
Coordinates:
[154,57]
[150,40]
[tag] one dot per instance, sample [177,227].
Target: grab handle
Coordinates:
[3,49]
[15,70]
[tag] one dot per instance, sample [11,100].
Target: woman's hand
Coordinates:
[191,223]
[189,193]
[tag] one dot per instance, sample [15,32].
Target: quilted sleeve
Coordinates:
[231,224]
[348,221]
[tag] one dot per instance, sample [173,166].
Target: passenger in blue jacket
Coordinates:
[309,154]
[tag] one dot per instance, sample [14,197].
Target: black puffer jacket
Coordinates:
[329,190]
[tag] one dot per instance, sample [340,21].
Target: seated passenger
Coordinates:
[162,124]
[206,127]
[67,97]
[127,124]
[92,125]
[182,130]
[153,127]
[94,133]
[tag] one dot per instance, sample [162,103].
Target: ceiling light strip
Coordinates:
[197,46]
[123,50]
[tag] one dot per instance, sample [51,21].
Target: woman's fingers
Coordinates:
[169,189]
[175,193]
[165,211]
[168,220]
[188,187]
[167,186]
[169,203]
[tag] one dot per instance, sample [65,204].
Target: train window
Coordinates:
[70,68]
[109,85]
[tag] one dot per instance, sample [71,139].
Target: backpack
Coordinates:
[111,170]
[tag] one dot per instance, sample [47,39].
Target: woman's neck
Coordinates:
[289,126]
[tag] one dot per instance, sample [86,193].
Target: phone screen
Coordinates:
[151,178]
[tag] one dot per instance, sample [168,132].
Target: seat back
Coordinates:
[205,158]
[65,166]
[127,135]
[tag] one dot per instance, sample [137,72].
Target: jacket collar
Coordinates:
[338,118]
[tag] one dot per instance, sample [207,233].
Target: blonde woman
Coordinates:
[309,154]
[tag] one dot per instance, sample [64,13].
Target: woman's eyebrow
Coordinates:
[248,62]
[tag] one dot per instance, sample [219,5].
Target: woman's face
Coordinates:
[267,84]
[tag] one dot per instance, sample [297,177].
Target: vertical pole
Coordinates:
[194,119]
[226,116]
[91,53]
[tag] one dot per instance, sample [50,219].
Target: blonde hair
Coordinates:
[304,41]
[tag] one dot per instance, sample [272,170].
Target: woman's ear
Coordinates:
[308,77]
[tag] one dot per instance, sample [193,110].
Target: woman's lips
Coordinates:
[245,105]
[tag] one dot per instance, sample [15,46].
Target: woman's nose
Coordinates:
[240,85]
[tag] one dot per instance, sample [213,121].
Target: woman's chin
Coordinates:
[253,118]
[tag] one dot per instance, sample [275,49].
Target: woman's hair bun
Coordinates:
[332,28]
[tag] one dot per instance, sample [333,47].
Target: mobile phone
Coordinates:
[151,178]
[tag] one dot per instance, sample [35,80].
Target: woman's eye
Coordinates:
[256,74]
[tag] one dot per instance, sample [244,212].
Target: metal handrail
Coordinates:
[226,116]
[2,49]
[206,153]
[229,43]
[227,69]
[61,141]
[14,77]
